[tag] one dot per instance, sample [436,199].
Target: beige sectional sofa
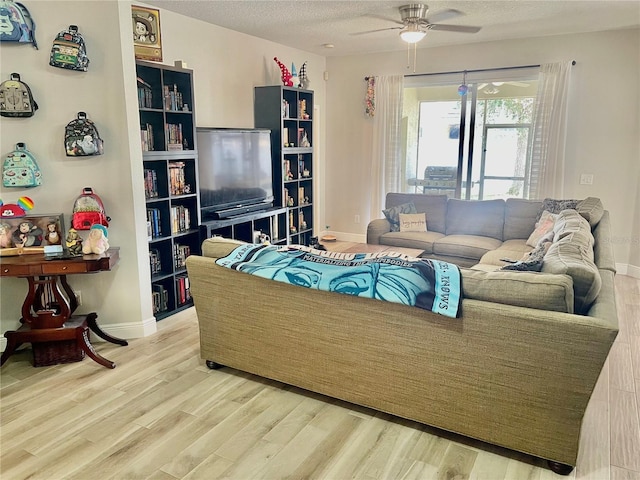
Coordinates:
[512,370]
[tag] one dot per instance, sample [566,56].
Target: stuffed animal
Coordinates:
[74,242]
[97,241]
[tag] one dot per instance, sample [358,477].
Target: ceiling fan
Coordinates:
[415,24]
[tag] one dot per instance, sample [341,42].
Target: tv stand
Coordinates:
[272,221]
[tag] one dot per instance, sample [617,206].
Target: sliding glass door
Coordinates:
[472,146]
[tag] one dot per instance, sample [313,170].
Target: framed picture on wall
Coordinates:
[146,33]
[31,231]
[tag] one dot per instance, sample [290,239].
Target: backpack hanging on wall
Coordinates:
[20,168]
[69,50]
[16,99]
[16,24]
[88,210]
[81,137]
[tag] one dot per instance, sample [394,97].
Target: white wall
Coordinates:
[602,137]
[227,65]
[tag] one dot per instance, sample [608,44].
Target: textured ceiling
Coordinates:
[309,25]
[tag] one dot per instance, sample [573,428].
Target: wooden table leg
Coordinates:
[82,336]
[93,325]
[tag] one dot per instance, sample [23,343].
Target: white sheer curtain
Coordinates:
[386,159]
[550,131]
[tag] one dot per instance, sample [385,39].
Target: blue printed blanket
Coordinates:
[391,276]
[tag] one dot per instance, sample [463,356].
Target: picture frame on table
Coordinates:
[147,43]
[31,233]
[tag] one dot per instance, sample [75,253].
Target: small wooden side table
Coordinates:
[48,323]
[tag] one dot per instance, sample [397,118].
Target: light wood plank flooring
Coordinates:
[162,414]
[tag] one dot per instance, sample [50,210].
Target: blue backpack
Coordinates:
[16,24]
[20,169]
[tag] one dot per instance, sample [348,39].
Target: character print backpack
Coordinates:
[81,137]
[16,24]
[69,50]
[88,210]
[20,168]
[16,99]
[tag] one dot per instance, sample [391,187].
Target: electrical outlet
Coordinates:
[586,179]
[356,219]
[78,297]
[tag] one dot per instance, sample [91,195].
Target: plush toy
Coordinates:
[97,241]
[286,74]
[304,79]
[74,242]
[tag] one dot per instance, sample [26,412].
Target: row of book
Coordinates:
[154,224]
[180,254]
[145,95]
[173,98]
[150,183]
[160,298]
[177,180]
[155,261]
[174,137]
[146,138]
[180,219]
[183,291]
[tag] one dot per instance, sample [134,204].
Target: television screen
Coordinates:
[234,168]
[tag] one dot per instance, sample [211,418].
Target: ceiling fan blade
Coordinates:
[443,15]
[377,30]
[454,28]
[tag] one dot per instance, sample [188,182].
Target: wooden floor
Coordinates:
[162,414]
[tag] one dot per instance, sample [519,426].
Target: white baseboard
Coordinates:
[629,270]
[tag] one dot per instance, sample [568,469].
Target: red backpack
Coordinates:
[88,210]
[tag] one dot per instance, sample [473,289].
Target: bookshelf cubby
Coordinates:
[170,170]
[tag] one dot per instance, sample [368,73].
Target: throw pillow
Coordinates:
[543,227]
[413,222]
[393,214]
[556,206]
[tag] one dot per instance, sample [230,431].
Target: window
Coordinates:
[476,146]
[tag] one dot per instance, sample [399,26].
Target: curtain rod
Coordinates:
[573,62]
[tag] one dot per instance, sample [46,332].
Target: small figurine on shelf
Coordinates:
[294,76]
[290,202]
[74,242]
[27,235]
[286,74]
[304,79]
[97,241]
[305,141]
[52,236]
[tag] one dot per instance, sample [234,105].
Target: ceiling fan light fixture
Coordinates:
[412,35]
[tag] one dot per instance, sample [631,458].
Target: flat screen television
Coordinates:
[235,171]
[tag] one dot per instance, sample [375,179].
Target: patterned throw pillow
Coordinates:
[543,227]
[413,222]
[556,206]
[393,214]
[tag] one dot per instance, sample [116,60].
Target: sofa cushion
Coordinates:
[217,247]
[571,256]
[483,218]
[420,240]
[591,209]
[532,261]
[435,206]
[520,217]
[571,222]
[511,249]
[523,289]
[466,246]
[392,214]
[413,222]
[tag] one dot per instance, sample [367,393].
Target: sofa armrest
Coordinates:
[376,228]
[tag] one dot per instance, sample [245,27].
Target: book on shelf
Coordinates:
[160,298]
[177,179]
[146,138]
[172,98]
[180,254]
[153,216]
[154,261]
[183,290]
[180,219]
[150,183]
